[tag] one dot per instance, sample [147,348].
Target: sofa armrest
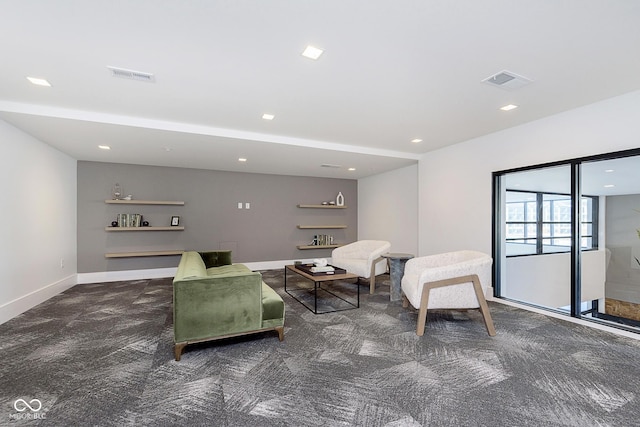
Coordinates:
[190,266]
[213,306]
[216,258]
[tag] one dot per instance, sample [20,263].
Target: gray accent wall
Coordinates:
[623,240]
[267,231]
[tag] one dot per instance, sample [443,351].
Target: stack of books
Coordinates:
[325,269]
[129,220]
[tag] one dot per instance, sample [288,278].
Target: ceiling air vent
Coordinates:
[507,80]
[131,74]
[328,165]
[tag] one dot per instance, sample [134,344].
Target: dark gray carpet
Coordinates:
[101,354]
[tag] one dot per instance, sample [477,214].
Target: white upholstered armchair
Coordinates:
[362,258]
[454,280]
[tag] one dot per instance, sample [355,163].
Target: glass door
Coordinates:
[536,229]
[567,237]
[616,185]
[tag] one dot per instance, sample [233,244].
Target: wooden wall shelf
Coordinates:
[322,206]
[145,202]
[174,228]
[306,227]
[141,254]
[304,247]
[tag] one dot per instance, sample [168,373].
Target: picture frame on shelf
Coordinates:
[175,221]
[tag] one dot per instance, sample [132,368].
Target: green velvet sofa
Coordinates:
[215,299]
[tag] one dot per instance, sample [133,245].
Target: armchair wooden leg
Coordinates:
[484,308]
[280,330]
[422,311]
[177,350]
[405,301]
[372,276]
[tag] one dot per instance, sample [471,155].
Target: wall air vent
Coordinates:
[132,75]
[328,165]
[507,80]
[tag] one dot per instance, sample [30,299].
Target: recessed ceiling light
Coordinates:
[351,169]
[509,107]
[312,52]
[609,186]
[416,140]
[609,170]
[39,82]
[104,147]
[242,159]
[268,116]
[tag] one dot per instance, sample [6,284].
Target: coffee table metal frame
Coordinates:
[317,284]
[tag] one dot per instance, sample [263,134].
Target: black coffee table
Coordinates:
[318,280]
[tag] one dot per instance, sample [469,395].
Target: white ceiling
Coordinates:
[392,71]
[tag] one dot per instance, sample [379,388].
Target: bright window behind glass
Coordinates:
[527,233]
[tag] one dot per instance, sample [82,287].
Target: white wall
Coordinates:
[455,182]
[545,279]
[388,208]
[38,218]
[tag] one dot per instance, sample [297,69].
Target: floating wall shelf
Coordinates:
[305,247]
[174,228]
[322,206]
[144,202]
[320,226]
[142,254]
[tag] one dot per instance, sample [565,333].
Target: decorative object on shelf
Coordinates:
[114,223]
[129,197]
[175,221]
[340,199]
[116,191]
[325,203]
[145,223]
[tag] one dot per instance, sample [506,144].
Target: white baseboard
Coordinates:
[570,319]
[274,265]
[117,276]
[20,305]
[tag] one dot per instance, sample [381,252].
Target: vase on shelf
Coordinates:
[116,191]
[340,199]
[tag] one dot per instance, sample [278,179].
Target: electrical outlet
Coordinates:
[247,205]
[239,205]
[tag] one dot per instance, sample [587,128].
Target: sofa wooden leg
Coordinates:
[177,350]
[280,330]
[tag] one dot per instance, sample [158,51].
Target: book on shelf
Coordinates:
[129,220]
[322,239]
